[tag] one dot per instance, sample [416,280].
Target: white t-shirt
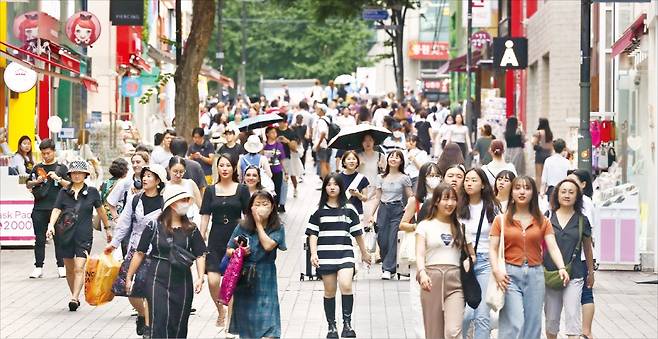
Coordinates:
[345,121]
[409,167]
[160,156]
[555,169]
[378,116]
[588,211]
[320,126]
[439,249]
[119,191]
[472,227]
[493,168]
[458,133]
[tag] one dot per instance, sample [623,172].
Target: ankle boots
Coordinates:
[330,313]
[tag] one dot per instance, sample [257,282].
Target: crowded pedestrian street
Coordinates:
[458,169]
[33,309]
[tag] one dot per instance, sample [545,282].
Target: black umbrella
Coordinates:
[258,121]
[351,138]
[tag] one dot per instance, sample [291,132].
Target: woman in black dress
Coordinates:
[225,201]
[169,284]
[76,242]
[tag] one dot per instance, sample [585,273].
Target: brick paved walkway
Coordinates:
[38,308]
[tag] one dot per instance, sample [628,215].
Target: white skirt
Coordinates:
[294,166]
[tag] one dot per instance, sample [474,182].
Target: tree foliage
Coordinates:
[287,41]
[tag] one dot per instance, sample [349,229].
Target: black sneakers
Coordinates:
[333,331]
[140,323]
[348,331]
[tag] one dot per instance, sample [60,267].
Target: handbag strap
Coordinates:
[477,237]
[501,245]
[576,250]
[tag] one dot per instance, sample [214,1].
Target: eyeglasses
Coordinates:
[178,172]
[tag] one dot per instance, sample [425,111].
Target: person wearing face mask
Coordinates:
[225,201]
[143,208]
[356,183]
[332,253]
[256,305]
[177,170]
[439,244]
[396,141]
[415,211]
[476,210]
[392,188]
[170,286]
[573,234]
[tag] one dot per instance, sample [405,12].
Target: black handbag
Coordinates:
[470,286]
[65,225]
[180,257]
[248,276]
[40,191]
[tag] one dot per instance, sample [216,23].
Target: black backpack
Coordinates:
[333,128]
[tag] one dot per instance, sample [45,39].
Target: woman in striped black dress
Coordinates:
[329,231]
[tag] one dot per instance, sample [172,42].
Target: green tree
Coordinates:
[351,9]
[288,42]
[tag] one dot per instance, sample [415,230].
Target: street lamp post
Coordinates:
[584,137]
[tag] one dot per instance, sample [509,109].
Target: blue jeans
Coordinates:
[521,317]
[388,222]
[479,316]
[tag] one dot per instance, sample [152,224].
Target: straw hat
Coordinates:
[253,144]
[173,193]
[79,166]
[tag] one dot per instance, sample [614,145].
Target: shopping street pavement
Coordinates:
[37,308]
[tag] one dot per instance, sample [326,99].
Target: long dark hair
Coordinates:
[534,200]
[324,197]
[452,155]
[586,177]
[165,218]
[489,203]
[421,186]
[441,191]
[234,164]
[511,127]
[543,125]
[400,167]
[555,202]
[273,222]
[29,154]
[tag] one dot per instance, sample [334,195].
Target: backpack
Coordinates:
[244,163]
[333,128]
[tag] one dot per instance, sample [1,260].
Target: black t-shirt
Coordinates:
[206,149]
[194,171]
[567,240]
[515,140]
[89,199]
[48,202]
[300,130]
[363,183]
[423,128]
[290,135]
[235,152]
[151,204]
[226,211]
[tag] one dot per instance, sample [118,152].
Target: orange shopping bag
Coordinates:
[100,272]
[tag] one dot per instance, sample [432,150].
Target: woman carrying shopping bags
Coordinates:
[439,243]
[140,210]
[71,216]
[573,234]
[175,244]
[477,210]
[329,230]
[522,277]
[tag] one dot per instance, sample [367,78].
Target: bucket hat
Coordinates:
[253,144]
[156,169]
[79,166]
[173,193]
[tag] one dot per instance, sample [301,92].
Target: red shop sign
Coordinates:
[428,50]
[440,85]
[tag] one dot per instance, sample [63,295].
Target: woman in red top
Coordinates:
[522,277]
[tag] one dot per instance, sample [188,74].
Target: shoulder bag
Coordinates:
[179,257]
[65,225]
[495,297]
[40,191]
[470,286]
[552,279]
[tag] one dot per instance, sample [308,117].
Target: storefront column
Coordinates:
[44,108]
[21,117]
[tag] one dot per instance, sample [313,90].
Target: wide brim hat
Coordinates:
[79,166]
[173,193]
[217,138]
[156,169]
[253,144]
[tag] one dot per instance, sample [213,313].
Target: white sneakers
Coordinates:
[37,273]
[61,271]
[386,275]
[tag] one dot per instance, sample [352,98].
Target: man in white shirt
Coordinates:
[162,154]
[380,113]
[555,167]
[320,139]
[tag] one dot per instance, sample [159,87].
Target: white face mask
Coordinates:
[263,211]
[432,182]
[397,134]
[182,208]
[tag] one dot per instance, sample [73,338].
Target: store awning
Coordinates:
[459,64]
[161,56]
[214,75]
[631,37]
[139,63]
[90,83]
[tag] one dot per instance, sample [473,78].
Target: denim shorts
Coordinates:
[587,297]
[323,155]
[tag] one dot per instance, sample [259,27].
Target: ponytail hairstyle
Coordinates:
[497,148]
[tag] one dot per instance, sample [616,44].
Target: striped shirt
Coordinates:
[333,227]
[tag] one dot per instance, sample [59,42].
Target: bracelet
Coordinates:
[561,268]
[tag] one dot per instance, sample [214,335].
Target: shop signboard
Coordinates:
[19,78]
[510,53]
[126,13]
[437,85]
[374,14]
[428,50]
[16,223]
[67,133]
[33,25]
[83,28]
[131,87]
[96,116]
[481,13]
[480,39]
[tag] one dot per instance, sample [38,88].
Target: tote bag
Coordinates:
[495,298]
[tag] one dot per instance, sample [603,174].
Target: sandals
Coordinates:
[73,305]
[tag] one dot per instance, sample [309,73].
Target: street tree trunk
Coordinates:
[187,72]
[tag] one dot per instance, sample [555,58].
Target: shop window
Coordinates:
[609,30]
[431,64]
[608,83]
[435,25]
